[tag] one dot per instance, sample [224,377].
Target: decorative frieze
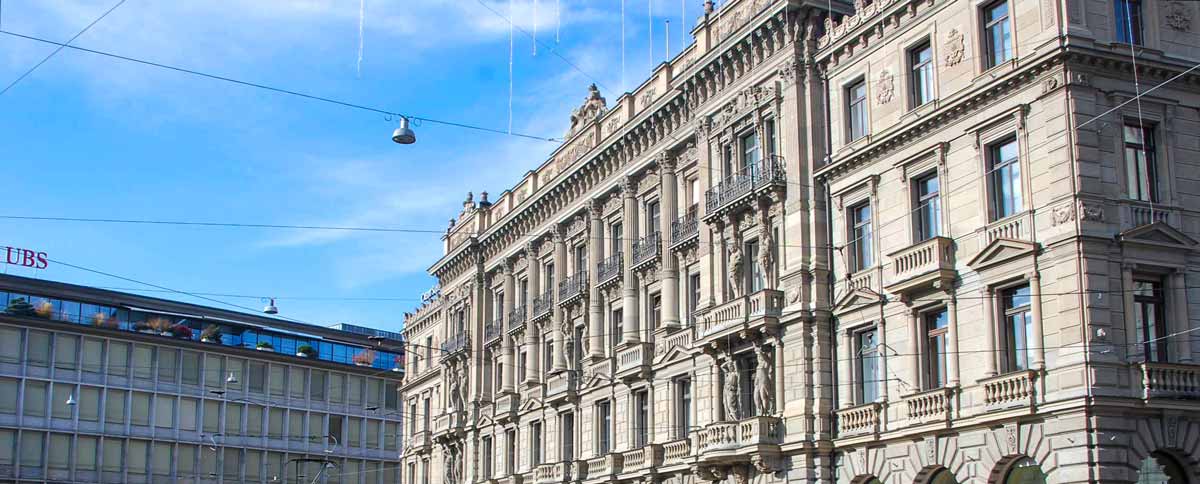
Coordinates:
[955,47]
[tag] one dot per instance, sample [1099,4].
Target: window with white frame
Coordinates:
[861,237]
[856,110]
[997,33]
[920,68]
[1149,317]
[683,407]
[641,421]
[1004,170]
[1018,327]
[867,364]
[603,427]
[1141,177]
[935,325]
[927,197]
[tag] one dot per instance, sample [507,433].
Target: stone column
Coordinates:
[1179,288]
[989,335]
[510,290]
[478,315]
[560,274]
[1132,337]
[532,336]
[595,306]
[914,349]
[845,362]
[629,292]
[952,340]
[716,392]
[668,210]
[1038,344]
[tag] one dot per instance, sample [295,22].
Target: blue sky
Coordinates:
[87,136]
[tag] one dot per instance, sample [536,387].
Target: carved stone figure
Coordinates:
[456,391]
[452,468]
[731,390]
[763,383]
[955,47]
[735,263]
[592,109]
[766,253]
[885,87]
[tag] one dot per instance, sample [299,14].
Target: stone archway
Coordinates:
[935,474]
[1017,469]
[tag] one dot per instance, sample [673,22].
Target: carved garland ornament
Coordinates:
[955,47]
[885,87]
[1179,17]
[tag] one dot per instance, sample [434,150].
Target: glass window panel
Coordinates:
[88,401]
[188,409]
[372,434]
[161,458]
[139,411]
[31,448]
[114,455]
[316,385]
[10,345]
[231,462]
[212,416]
[135,456]
[391,434]
[236,367]
[8,445]
[93,355]
[35,398]
[39,348]
[354,431]
[296,381]
[254,462]
[143,361]
[354,392]
[296,425]
[275,424]
[60,455]
[66,349]
[233,418]
[335,427]
[190,368]
[391,391]
[214,371]
[337,384]
[316,426]
[278,380]
[118,358]
[185,464]
[168,362]
[8,395]
[114,406]
[374,388]
[257,380]
[60,392]
[87,448]
[164,411]
[254,420]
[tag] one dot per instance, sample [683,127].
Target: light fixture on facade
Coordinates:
[71,399]
[232,380]
[403,134]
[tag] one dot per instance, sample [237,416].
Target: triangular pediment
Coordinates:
[1158,234]
[1001,250]
[857,297]
[485,421]
[672,354]
[530,403]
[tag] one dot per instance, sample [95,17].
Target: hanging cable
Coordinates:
[1137,90]
[60,48]
[362,13]
[650,27]
[510,65]
[535,26]
[623,89]
[557,19]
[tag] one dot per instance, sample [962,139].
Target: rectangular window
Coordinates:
[755,275]
[66,349]
[603,427]
[535,442]
[929,207]
[510,451]
[136,456]
[8,395]
[168,362]
[190,365]
[618,327]
[164,411]
[641,421]
[567,436]
[233,418]
[93,355]
[861,237]
[1018,327]
[88,401]
[1004,164]
[997,34]
[654,312]
[867,363]
[188,409]
[920,68]
[278,380]
[547,354]
[114,406]
[214,367]
[372,433]
[935,348]
[143,362]
[86,449]
[114,456]
[1141,177]
[750,152]
[59,455]
[212,416]
[59,394]
[336,426]
[10,342]
[693,302]
[488,471]
[160,458]
[296,382]
[35,398]
[354,431]
[296,427]
[8,443]
[355,390]
[118,358]
[653,217]
[522,364]
[337,385]
[577,348]
[856,110]
[683,408]
[316,385]
[31,448]
[39,349]
[1148,317]
[139,409]
[1128,16]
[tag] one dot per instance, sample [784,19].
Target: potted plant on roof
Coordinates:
[20,307]
[365,358]
[44,309]
[160,325]
[264,346]
[306,351]
[181,331]
[144,327]
[398,364]
[102,320]
[211,334]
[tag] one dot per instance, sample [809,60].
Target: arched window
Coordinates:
[1161,468]
[1025,471]
[943,476]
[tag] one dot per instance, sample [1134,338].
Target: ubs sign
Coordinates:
[25,258]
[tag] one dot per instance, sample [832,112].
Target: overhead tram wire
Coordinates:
[279,90]
[60,48]
[552,49]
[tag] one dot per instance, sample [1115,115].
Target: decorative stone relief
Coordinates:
[592,108]
[789,71]
[1178,17]
[1171,430]
[648,182]
[648,98]
[1090,213]
[763,382]
[1062,214]
[1010,438]
[731,390]
[930,451]
[612,125]
[955,47]
[885,87]
[1050,83]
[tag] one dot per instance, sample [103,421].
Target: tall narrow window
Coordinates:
[772,140]
[535,442]
[577,348]
[997,33]
[920,67]
[861,237]
[1141,176]
[1151,326]
[581,260]
[856,110]
[1128,16]
[1005,168]
[654,312]
[867,347]
[603,427]
[547,354]
[488,471]
[755,274]
[683,407]
[693,298]
[618,327]
[522,364]
[641,421]
[615,238]
[653,217]
[510,451]
[1018,327]
[567,437]
[935,348]
[929,207]
[750,152]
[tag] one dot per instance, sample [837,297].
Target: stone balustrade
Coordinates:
[1009,390]
[677,451]
[1170,380]
[921,264]
[929,406]
[726,436]
[859,420]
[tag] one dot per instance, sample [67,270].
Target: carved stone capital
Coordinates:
[666,162]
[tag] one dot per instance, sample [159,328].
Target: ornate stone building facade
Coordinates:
[894,241]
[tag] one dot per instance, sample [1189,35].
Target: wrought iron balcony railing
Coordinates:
[455,344]
[751,177]
[573,286]
[491,331]
[542,304]
[609,268]
[516,318]
[647,248]
[685,228]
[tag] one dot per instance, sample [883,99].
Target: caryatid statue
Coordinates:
[731,390]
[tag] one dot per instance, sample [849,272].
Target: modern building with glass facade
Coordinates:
[104,386]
